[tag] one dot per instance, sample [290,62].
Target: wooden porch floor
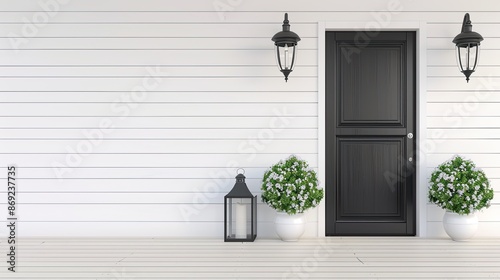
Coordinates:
[323,258]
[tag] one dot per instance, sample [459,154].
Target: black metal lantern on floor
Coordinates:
[467,48]
[286,48]
[240,213]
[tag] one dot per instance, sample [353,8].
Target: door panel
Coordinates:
[376,67]
[369,195]
[370,109]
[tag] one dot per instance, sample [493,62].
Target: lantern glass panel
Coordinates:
[467,56]
[286,56]
[239,219]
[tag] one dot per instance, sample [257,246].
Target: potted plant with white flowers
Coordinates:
[460,188]
[291,187]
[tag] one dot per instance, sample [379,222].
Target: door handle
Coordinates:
[410,136]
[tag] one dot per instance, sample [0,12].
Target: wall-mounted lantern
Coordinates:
[286,48]
[467,48]
[240,213]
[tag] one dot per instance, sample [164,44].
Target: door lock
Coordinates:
[410,135]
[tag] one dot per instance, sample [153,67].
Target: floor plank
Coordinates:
[322,258]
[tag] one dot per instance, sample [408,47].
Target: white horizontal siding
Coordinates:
[170,84]
[487,162]
[127,211]
[182,71]
[473,133]
[160,134]
[206,160]
[123,109]
[145,57]
[150,43]
[218,102]
[128,183]
[156,122]
[463,118]
[142,228]
[465,122]
[255,6]
[161,97]
[155,146]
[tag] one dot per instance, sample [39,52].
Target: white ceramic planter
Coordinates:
[290,227]
[460,227]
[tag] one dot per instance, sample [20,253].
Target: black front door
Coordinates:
[370,133]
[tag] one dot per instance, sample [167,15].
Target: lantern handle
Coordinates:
[237,171]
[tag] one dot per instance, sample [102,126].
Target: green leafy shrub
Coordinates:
[291,186]
[458,186]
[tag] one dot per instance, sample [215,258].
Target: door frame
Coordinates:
[420,113]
